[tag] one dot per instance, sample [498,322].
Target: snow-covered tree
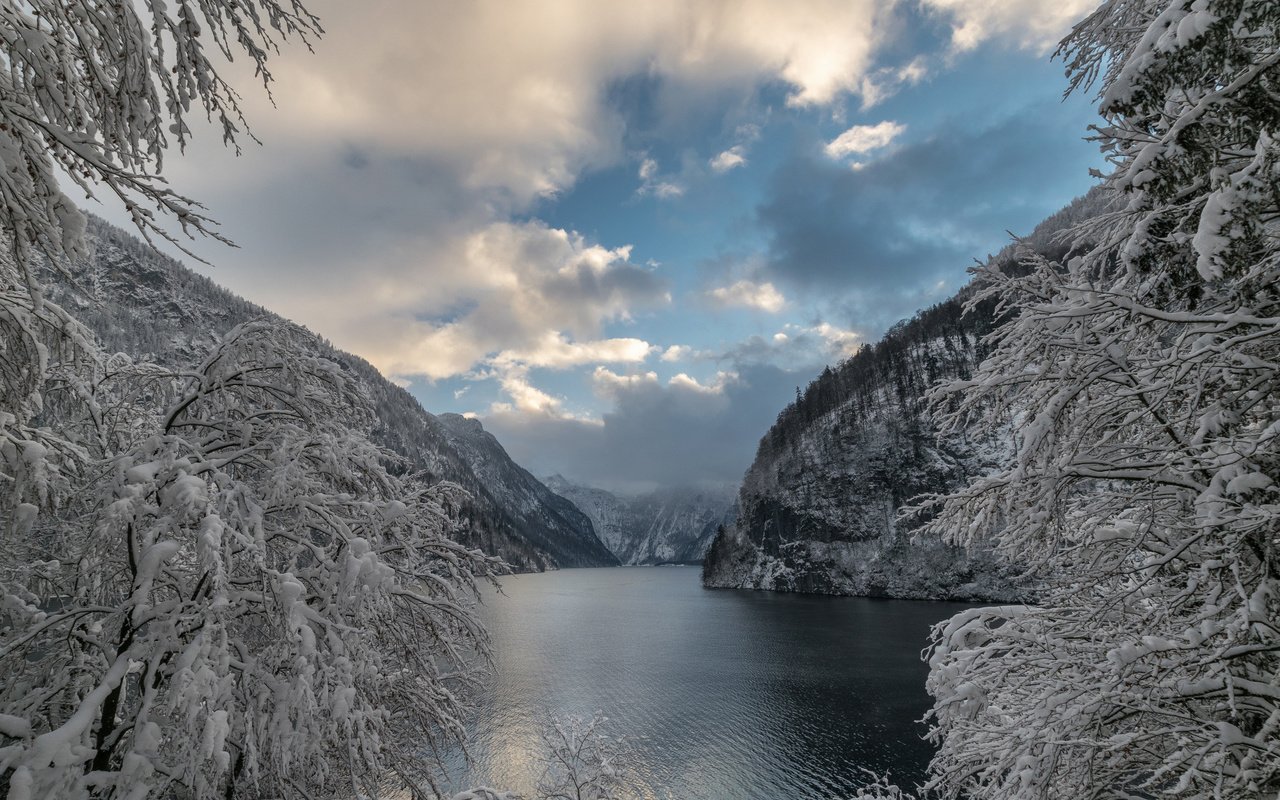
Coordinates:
[97,90]
[241,602]
[1143,374]
[211,583]
[580,762]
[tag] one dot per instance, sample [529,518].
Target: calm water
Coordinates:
[726,694]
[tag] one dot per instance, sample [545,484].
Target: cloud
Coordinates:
[684,430]
[513,92]
[677,352]
[652,184]
[885,82]
[748,294]
[735,156]
[519,295]
[680,432]
[1031,24]
[554,351]
[527,398]
[862,139]
[609,384]
[717,385]
[819,344]
[885,236]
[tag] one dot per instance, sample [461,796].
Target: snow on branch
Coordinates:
[243,596]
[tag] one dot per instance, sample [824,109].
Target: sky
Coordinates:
[622,234]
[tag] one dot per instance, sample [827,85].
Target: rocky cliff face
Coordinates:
[818,509]
[667,526]
[151,307]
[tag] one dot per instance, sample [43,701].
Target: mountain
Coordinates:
[817,509]
[151,307]
[667,526]
[537,506]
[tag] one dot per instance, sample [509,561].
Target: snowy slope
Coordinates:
[150,306]
[668,525]
[818,508]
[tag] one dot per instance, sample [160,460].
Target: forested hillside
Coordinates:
[817,510]
[151,307]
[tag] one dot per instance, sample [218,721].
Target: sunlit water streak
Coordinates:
[725,694]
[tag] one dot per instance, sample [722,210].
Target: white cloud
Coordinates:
[612,385]
[554,351]
[733,157]
[512,285]
[841,341]
[885,82]
[749,294]
[1031,24]
[862,139]
[528,398]
[652,184]
[607,383]
[716,386]
[736,156]
[677,352]
[513,92]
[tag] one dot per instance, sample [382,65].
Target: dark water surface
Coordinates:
[725,693]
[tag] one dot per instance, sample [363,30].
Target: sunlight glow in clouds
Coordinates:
[529,283]
[419,202]
[747,294]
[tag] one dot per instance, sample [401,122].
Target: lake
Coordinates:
[724,693]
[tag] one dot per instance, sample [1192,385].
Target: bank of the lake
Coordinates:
[726,693]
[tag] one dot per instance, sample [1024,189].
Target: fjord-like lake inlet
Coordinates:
[723,693]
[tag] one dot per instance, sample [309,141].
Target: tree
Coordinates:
[1143,374]
[210,582]
[97,90]
[580,762]
[241,601]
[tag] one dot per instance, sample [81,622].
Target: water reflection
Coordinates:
[725,694]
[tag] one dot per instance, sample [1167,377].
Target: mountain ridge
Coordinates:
[150,306]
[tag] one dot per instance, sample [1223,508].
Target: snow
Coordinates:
[14,727]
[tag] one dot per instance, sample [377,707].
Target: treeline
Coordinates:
[941,342]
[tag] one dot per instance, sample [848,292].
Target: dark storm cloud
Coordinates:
[919,213]
[657,433]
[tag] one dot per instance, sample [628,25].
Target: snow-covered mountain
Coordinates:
[667,525]
[817,510]
[149,306]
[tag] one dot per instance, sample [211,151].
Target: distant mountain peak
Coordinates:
[666,525]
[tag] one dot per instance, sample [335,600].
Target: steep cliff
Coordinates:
[818,508]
